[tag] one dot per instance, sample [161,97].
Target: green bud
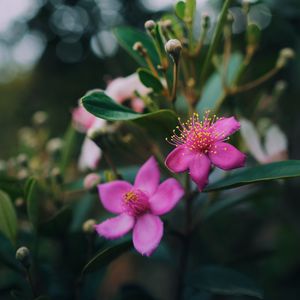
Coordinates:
[23,256]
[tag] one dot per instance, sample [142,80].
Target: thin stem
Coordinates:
[175,81]
[151,65]
[215,40]
[30,281]
[250,85]
[227,53]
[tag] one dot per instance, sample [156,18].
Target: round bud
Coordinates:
[56,174]
[138,46]
[22,174]
[205,20]
[285,55]
[23,256]
[39,118]
[22,160]
[54,145]
[88,226]
[150,25]
[91,180]
[19,202]
[173,47]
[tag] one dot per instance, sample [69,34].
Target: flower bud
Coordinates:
[23,256]
[39,118]
[19,202]
[150,25]
[23,174]
[138,46]
[22,160]
[54,145]
[166,24]
[285,55]
[56,175]
[91,180]
[88,226]
[173,47]
[205,21]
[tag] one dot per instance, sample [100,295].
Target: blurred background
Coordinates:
[53,51]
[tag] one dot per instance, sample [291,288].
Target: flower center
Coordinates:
[135,202]
[196,135]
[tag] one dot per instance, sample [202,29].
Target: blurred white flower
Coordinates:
[275,146]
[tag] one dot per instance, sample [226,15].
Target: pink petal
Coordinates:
[82,119]
[89,156]
[226,157]
[137,105]
[114,228]
[178,160]
[199,170]
[147,178]
[225,127]
[166,196]
[111,194]
[147,233]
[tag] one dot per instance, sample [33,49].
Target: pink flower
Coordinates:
[122,89]
[82,119]
[202,143]
[139,206]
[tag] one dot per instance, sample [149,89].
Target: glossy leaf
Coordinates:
[158,122]
[180,9]
[212,96]
[223,281]
[103,258]
[149,80]
[128,36]
[262,173]
[8,217]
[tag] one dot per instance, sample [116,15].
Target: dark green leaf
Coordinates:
[7,253]
[128,36]
[32,196]
[100,105]
[223,281]
[149,80]
[133,292]
[8,217]
[276,170]
[11,185]
[228,201]
[103,258]
[180,9]
[213,94]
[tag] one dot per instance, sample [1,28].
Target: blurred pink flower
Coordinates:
[275,147]
[120,90]
[139,206]
[202,143]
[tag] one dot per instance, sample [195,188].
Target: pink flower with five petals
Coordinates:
[139,207]
[202,143]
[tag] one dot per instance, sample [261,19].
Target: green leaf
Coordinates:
[8,218]
[103,258]
[100,105]
[70,140]
[128,36]
[11,185]
[149,80]
[32,196]
[190,8]
[228,202]
[213,94]
[180,9]
[276,170]
[224,281]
